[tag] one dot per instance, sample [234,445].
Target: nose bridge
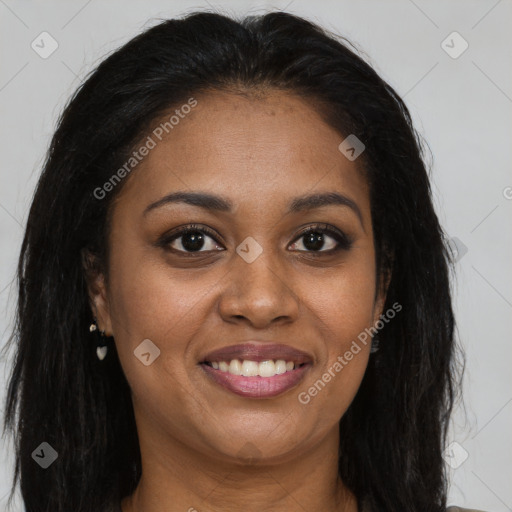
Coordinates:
[260,267]
[259,290]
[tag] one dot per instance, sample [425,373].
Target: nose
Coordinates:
[259,293]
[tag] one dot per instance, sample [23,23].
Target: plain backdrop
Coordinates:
[461,102]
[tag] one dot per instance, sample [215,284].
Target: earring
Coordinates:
[375,345]
[101,350]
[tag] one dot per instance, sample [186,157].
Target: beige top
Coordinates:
[453,508]
[458,509]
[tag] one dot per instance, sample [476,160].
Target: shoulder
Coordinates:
[459,509]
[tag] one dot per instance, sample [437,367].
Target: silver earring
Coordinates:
[101,350]
[375,345]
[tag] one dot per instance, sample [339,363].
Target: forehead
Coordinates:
[259,150]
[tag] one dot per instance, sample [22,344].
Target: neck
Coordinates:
[180,478]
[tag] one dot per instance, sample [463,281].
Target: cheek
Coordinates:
[149,297]
[151,303]
[342,308]
[149,300]
[344,303]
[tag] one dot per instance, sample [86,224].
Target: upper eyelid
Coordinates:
[207,230]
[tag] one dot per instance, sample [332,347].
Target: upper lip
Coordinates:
[258,351]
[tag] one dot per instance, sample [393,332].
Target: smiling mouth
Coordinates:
[256,369]
[252,379]
[248,368]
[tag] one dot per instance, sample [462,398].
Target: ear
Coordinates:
[380,298]
[97,291]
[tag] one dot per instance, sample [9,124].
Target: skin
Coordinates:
[203,447]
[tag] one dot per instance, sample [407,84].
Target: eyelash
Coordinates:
[344,242]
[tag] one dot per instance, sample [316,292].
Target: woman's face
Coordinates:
[252,278]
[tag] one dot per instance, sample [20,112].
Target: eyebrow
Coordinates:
[212,202]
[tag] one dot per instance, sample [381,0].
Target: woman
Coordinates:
[233,287]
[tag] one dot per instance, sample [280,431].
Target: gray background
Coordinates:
[462,106]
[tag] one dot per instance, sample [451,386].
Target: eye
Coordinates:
[191,239]
[321,238]
[195,239]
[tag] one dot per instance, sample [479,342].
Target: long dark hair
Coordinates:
[393,434]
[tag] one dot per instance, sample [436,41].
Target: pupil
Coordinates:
[193,241]
[314,241]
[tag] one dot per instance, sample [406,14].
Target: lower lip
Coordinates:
[257,387]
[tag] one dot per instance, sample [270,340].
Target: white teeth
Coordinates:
[267,369]
[248,368]
[235,367]
[280,366]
